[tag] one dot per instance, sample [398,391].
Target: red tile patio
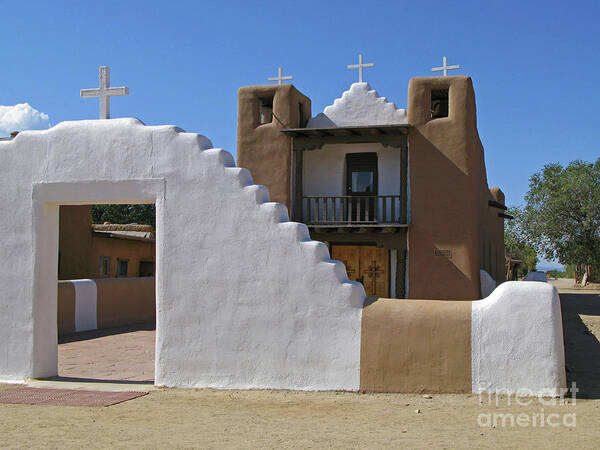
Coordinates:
[125,353]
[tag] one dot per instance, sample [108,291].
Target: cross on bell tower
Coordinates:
[360,66]
[104,92]
[279,78]
[445,67]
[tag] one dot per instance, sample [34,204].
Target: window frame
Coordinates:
[362,162]
[119,261]
[102,260]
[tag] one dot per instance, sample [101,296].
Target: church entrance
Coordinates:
[367,264]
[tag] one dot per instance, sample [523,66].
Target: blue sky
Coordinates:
[534,64]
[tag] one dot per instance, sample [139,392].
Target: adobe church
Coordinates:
[399,196]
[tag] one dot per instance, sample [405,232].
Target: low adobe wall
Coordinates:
[509,342]
[104,303]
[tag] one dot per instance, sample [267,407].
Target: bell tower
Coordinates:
[263,111]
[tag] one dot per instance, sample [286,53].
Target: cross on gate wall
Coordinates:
[104,92]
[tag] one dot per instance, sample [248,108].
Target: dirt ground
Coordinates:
[282,419]
[184,418]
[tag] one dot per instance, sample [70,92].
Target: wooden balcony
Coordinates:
[381,211]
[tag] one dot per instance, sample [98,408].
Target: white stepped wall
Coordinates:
[517,341]
[244,298]
[359,106]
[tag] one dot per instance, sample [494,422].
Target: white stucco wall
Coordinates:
[244,298]
[359,106]
[324,169]
[517,341]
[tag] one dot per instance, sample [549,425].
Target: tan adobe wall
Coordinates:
[416,346]
[263,149]
[75,242]
[125,302]
[134,251]
[66,308]
[119,302]
[448,193]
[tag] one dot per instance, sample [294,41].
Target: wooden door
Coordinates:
[349,255]
[362,182]
[367,264]
[375,271]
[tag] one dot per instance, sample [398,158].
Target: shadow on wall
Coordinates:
[488,284]
[582,348]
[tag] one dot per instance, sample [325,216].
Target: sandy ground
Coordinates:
[568,285]
[281,419]
[178,418]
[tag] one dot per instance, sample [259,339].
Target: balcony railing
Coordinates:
[351,210]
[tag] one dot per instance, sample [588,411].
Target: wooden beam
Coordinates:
[496,204]
[360,225]
[298,184]
[404,184]
[312,142]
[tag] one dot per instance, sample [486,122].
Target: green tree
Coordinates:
[516,242]
[562,215]
[141,214]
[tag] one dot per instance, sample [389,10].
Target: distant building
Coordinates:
[102,251]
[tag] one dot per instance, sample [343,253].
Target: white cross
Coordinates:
[104,92]
[445,67]
[279,78]
[360,67]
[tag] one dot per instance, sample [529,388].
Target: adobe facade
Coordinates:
[423,223]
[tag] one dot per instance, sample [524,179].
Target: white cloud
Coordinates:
[21,117]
